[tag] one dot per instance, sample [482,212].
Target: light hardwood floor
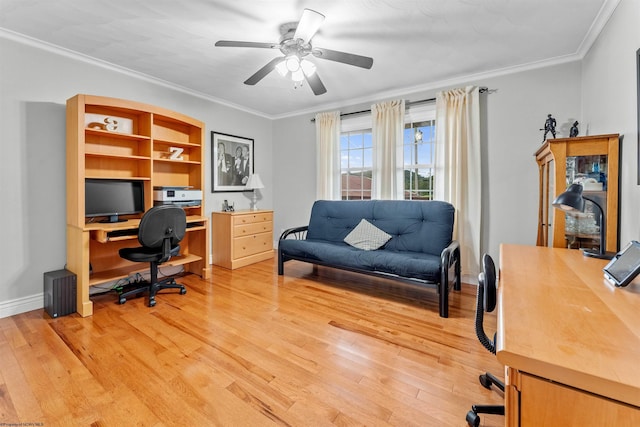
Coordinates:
[250,348]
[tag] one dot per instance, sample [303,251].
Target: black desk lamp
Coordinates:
[572,200]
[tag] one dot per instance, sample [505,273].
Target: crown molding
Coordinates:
[598,24]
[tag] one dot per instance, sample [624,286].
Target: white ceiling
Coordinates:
[415,44]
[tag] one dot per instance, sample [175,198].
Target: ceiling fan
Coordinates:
[295,44]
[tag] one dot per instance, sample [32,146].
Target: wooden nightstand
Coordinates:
[241,238]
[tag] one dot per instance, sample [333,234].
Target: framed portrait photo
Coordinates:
[231,162]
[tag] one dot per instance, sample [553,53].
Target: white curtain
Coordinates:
[387,130]
[328,156]
[458,170]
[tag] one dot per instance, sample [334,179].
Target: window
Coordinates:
[356,158]
[418,163]
[419,156]
[356,165]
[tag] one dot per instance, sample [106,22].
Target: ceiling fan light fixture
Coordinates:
[282,69]
[297,76]
[308,67]
[292,63]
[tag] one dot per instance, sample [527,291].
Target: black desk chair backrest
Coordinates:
[486,302]
[160,231]
[162,227]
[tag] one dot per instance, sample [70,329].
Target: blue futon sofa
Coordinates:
[419,248]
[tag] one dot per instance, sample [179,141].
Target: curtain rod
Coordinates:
[409,104]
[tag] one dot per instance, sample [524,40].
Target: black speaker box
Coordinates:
[60,293]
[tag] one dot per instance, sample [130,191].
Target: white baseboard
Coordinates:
[469,278]
[21,305]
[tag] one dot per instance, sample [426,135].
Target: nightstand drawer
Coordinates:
[249,245]
[249,229]
[253,218]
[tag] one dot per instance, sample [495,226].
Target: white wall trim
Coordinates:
[604,14]
[469,279]
[21,305]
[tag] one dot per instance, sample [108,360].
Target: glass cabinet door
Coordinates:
[582,230]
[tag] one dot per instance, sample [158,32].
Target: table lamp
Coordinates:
[253,183]
[572,200]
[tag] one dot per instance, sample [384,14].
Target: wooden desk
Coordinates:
[570,341]
[96,245]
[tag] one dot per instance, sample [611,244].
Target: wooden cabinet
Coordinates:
[593,160]
[119,139]
[241,238]
[542,402]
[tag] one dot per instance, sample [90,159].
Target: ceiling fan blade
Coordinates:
[232,43]
[345,58]
[308,25]
[315,83]
[262,72]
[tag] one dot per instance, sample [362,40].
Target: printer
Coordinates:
[180,196]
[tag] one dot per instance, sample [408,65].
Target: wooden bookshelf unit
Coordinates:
[119,139]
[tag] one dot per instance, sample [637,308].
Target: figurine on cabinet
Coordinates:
[573,132]
[549,126]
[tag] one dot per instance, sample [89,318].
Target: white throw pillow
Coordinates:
[367,236]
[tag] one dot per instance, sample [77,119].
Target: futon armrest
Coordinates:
[299,233]
[451,254]
[449,259]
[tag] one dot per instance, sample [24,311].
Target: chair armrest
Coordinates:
[299,233]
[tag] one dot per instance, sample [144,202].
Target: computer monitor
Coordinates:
[113,197]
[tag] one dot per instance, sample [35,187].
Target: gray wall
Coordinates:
[34,87]
[512,116]
[610,103]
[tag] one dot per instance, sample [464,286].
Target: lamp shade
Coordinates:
[254,182]
[570,200]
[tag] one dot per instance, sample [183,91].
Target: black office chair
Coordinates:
[161,229]
[486,301]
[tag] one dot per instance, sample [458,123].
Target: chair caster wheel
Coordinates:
[152,302]
[122,301]
[485,381]
[183,291]
[473,419]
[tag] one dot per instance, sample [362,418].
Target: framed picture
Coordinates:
[232,162]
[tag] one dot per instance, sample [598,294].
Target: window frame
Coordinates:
[363,124]
[422,114]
